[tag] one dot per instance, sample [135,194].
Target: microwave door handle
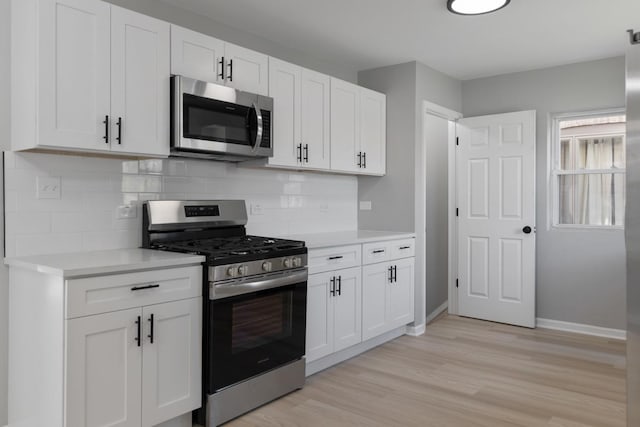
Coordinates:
[259,130]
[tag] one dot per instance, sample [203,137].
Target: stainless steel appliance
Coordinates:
[255,291]
[219,122]
[632,230]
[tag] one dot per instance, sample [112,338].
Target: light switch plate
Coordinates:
[365,205]
[48,187]
[126,212]
[256,209]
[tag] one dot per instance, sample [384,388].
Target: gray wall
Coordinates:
[392,195]
[205,25]
[580,275]
[396,196]
[440,89]
[5,109]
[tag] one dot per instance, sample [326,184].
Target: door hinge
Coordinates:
[457,141]
[456,283]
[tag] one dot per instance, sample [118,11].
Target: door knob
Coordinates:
[526,230]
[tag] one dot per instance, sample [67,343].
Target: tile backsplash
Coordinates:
[92,191]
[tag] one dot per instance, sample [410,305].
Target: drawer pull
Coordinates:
[405,247]
[139,288]
[336,257]
[379,251]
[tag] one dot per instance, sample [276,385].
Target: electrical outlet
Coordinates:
[365,205]
[256,209]
[126,212]
[48,187]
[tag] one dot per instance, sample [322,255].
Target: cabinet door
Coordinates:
[247,70]
[284,88]
[347,306]
[103,369]
[172,360]
[319,316]
[373,131]
[315,119]
[196,55]
[139,83]
[74,73]
[345,126]
[400,299]
[375,280]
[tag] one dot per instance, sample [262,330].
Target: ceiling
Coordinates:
[363,34]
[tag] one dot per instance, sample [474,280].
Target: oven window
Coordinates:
[261,320]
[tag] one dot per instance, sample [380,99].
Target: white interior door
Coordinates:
[496,219]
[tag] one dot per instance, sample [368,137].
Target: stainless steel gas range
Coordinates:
[255,291]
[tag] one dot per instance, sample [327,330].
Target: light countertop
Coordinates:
[92,263]
[351,237]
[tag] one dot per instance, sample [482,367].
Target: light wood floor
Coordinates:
[466,373]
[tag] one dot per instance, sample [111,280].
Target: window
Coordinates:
[588,173]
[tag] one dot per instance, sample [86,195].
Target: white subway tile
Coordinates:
[37,244]
[28,222]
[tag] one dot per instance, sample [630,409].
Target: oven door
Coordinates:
[255,332]
[210,118]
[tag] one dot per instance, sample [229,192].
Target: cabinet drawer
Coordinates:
[327,259]
[93,295]
[387,250]
[404,248]
[376,252]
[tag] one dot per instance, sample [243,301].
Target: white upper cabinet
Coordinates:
[206,58]
[373,131]
[284,87]
[246,69]
[139,83]
[345,126]
[88,76]
[196,55]
[301,104]
[73,74]
[358,129]
[315,117]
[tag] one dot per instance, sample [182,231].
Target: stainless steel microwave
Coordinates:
[218,122]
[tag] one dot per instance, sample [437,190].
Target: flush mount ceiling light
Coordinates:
[475,7]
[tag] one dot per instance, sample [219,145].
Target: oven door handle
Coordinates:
[259,127]
[231,289]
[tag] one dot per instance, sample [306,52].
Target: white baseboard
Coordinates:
[416,330]
[435,313]
[580,328]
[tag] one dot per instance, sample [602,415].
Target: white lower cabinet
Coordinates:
[387,296]
[122,349]
[334,303]
[349,303]
[137,367]
[103,370]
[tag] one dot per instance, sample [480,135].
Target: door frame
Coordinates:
[432,109]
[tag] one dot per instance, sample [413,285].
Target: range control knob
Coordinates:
[288,263]
[297,262]
[266,266]
[243,270]
[232,272]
